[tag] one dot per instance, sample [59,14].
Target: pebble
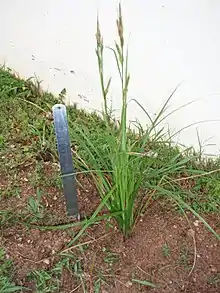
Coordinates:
[196,223]
[214,270]
[46,261]
[128,284]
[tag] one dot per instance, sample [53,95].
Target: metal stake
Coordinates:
[65,156]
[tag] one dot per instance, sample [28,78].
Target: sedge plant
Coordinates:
[118,158]
[117,163]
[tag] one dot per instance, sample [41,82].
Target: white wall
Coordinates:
[170,41]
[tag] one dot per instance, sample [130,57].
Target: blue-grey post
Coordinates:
[65,156]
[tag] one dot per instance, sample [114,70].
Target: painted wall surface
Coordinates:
[169,42]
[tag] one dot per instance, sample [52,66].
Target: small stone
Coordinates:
[170,282]
[214,270]
[128,284]
[175,226]
[191,233]
[28,241]
[46,261]
[196,223]
[55,197]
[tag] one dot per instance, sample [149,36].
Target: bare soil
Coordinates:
[175,253]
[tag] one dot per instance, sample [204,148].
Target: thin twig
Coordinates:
[192,233]
[196,176]
[84,243]
[31,260]
[143,271]
[76,288]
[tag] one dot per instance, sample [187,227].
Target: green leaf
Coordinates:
[144,283]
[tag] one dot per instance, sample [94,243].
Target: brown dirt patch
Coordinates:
[161,250]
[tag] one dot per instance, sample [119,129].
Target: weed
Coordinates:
[122,161]
[24,123]
[35,208]
[166,250]
[6,273]
[103,279]
[45,282]
[49,280]
[110,257]
[11,191]
[144,283]
[214,280]
[97,286]
[184,259]
[2,141]
[119,160]
[7,217]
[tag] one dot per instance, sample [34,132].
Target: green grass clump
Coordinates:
[6,272]
[130,167]
[49,281]
[26,126]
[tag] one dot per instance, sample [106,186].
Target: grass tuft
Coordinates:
[121,161]
[6,275]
